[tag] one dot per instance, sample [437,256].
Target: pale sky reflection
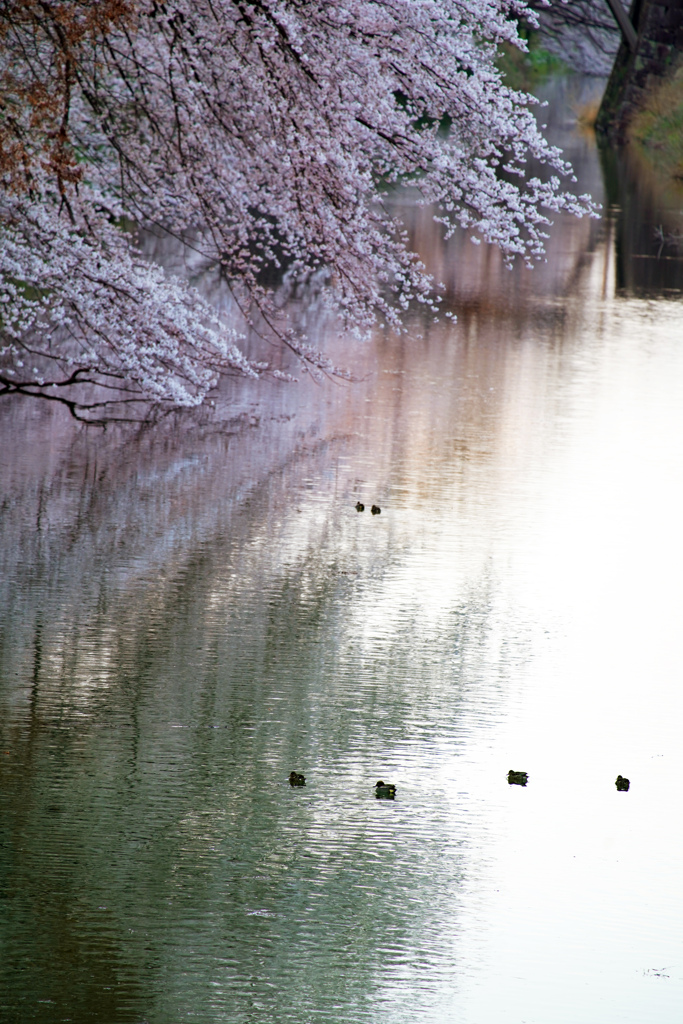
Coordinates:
[564,492]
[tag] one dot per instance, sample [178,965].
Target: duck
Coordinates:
[360,507]
[385,790]
[517,778]
[297,779]
[622,784]
[375,510]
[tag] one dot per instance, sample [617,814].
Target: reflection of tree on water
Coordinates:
[647,224]
[183,575]
[157,825]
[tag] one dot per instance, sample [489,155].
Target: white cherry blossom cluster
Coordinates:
[268,135]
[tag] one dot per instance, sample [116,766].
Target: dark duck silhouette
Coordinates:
[622,784]
[385,790]
[297,779]
[360,507]
[375,510]
[517,778]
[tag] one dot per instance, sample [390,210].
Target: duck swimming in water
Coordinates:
[375,510]
[360,507]
[622,784]
[517,778]
[297,779]
[385,790]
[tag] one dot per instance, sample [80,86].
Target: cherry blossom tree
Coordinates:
[264,135]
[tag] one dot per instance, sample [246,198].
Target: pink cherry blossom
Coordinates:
[264,135]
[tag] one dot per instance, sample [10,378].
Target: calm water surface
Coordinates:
[190,611]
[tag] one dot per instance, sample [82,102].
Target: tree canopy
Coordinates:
[262,134]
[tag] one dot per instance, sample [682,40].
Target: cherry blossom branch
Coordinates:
[264,134]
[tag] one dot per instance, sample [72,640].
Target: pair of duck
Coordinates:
[360,507]
[521,779]
[383,790]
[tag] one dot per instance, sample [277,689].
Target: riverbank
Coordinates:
[656,130]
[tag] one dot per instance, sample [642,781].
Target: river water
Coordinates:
[192,610]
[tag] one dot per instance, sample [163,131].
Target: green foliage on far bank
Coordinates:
[656,129]
[527,70]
